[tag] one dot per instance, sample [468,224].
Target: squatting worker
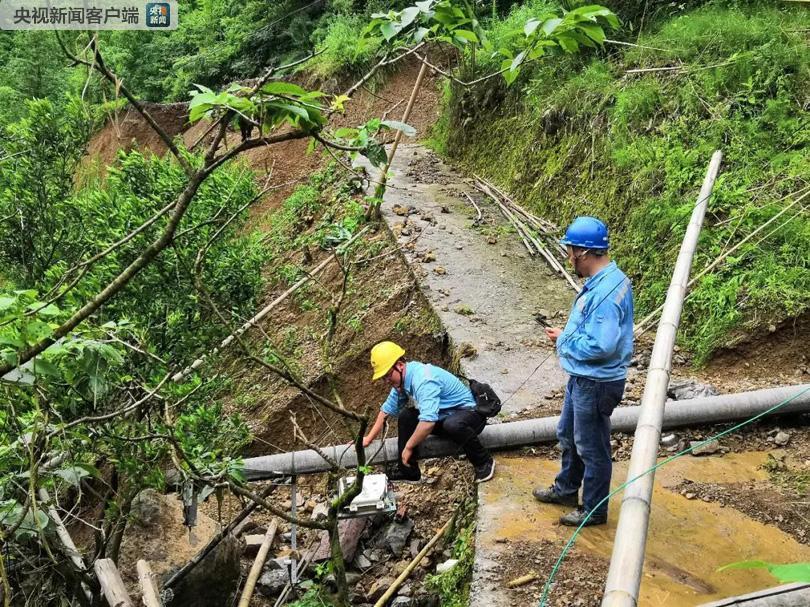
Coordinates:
[595,350]
[426,400]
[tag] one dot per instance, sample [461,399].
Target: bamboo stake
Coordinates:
[627,561]
[149,592]
[380,189]
[641,327]
[181,375]
[112,586]
[256,569]
[412,565]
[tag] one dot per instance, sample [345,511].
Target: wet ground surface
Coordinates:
[690,536]
[486,290]
[478,277]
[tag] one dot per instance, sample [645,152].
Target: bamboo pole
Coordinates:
[112,586]
[627,561]
[528,237]
[641,327]
[70,547]
[181,375]
[256,569]
[149,592]
[380,189]
[412,565]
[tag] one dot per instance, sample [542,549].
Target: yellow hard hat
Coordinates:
[383,357]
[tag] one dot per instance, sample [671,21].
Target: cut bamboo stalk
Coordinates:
[641,327]
[149,591]
[62,533]
[523,580]
[181,375]
[112,586]
[256,569]
[383,600]
[528,237]
[378,192]
[627,561]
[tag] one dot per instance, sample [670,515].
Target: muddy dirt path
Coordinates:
[482,283]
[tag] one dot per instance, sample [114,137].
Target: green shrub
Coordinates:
[343,50]
[585,137]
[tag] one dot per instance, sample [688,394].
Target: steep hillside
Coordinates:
[626,134]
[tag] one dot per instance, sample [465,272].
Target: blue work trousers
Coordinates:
[584,435]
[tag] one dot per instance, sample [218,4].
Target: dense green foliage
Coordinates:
[581,135]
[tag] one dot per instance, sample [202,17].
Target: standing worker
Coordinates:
[426,400]
[595,350]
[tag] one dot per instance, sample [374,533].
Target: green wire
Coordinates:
[547,587]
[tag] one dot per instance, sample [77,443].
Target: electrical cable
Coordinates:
[549,581]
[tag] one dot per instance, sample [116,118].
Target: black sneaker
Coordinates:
[484,472]
[575,518]
[404,474]
[548,495]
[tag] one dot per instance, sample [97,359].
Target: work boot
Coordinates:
[576,517]
[484,472]
[404,474]
[548,495]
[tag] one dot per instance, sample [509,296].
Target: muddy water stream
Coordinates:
[688,539]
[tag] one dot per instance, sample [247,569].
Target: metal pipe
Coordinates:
[707,410]
[627,561]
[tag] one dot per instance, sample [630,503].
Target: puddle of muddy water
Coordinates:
[688,540]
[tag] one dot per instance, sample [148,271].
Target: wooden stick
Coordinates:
[149,591]
[522,580]
[112,586]
[256,569]
[412,565]
[181,375]
[405,117]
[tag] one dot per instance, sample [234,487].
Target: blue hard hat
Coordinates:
[588,233]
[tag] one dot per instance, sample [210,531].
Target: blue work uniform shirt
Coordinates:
[434,391]
[597,342]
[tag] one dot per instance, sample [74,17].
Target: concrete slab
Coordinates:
[688,539]
[484,294]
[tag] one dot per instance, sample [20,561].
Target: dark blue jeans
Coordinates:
[584,435]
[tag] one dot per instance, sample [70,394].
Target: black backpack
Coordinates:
[487,402]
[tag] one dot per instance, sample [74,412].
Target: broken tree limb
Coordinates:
[383,600]
[645,322]
[149,591]
[256,569]
[112,586]
[181,375]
